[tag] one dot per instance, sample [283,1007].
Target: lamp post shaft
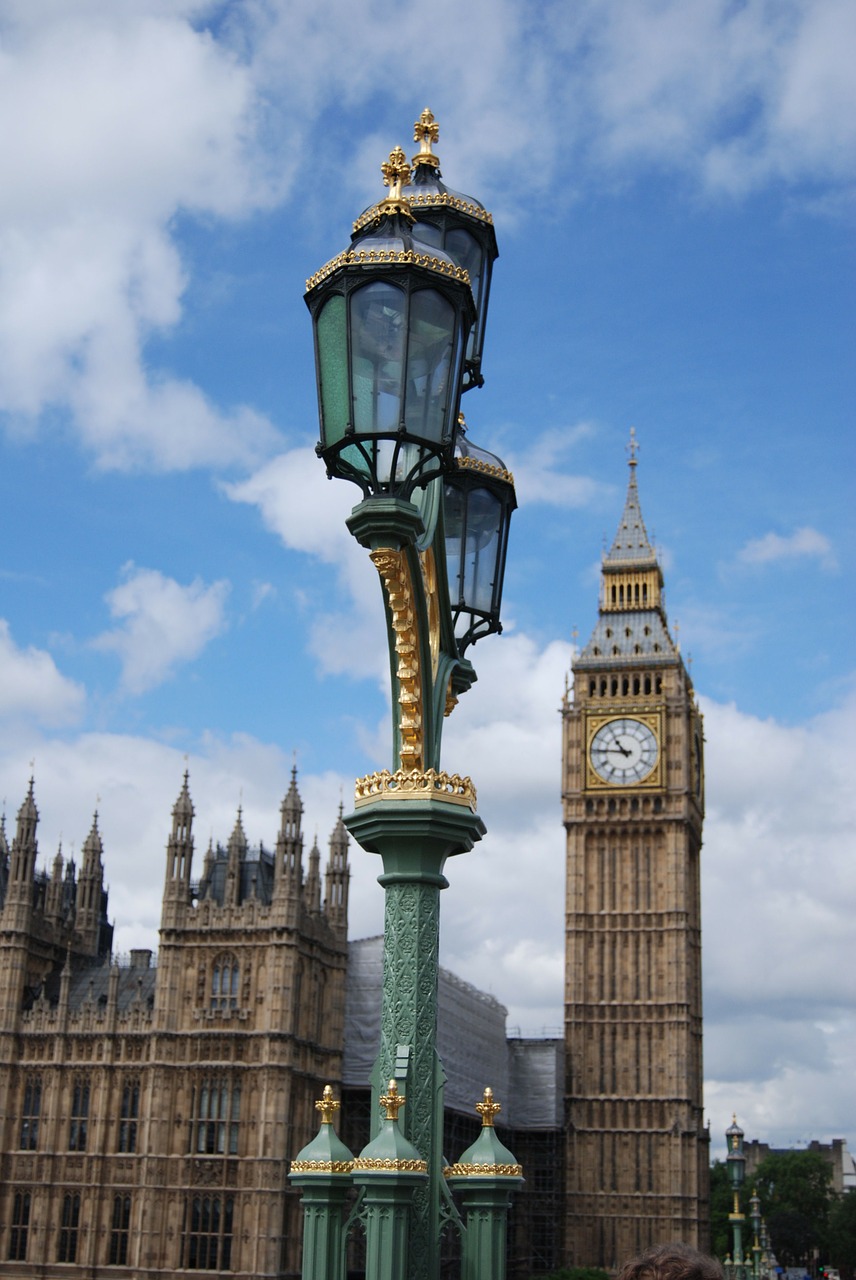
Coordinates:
[414,837]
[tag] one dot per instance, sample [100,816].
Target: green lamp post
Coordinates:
[736,1164]
[755,1219]
[398,321]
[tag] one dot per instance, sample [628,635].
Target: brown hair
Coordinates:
[671,1262]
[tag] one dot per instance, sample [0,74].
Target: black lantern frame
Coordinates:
[391,325]
[479,498]
[461,226]
[455,224]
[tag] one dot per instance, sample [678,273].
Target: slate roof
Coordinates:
[257,867]
[631,545]
[648,640]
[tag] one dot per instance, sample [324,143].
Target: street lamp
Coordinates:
[736,1164]
[755,1219]
[398,322]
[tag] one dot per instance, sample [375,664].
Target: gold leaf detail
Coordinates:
[322,1166]
[414,784]
[394,571]
[391,1166]
[396,257]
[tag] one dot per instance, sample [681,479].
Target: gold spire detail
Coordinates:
[392,1101]
[426,132]
[487,1109]
[396,174]
[632,448]
[327,1105]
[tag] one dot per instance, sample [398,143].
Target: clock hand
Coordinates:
[616,746]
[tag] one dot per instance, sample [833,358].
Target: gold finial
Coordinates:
[396,173]
[327,1105]
[426,132]
[488,1108]
[633,447]
[392,1101]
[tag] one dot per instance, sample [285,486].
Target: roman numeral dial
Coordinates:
[624,751]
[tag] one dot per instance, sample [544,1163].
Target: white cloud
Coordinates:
[162,624]
[539,475]
[801,544]
[134,781]
[31,687]
[130,118]
[307,512]
[123,119]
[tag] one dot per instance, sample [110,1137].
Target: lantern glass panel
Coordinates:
[429,364]
[378,332]
[467,253]
[333,368]
[472,521]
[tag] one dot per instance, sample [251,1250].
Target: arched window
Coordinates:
[79,1116]
[208,1233]
[129,1116]
[120,1231]
[30,1112]
[224,981]
[216,1112]
[68,1229]
[20,1226]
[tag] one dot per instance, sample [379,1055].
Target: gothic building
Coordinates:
[633,798]
[148,1114]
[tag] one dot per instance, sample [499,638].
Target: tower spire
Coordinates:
[631,544]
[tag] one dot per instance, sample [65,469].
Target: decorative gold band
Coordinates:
[480,1170]
[321,1166]
[393,257]
[415,785]
[390,1166]
[476,464]
[443,198]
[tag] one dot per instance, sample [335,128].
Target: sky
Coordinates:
[672,185]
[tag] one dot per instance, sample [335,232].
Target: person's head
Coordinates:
[671,1262]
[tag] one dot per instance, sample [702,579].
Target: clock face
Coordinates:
[624,751]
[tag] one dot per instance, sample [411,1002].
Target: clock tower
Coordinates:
[633,799]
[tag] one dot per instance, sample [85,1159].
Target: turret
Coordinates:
[289,842]
[90,892]
[18,907]
[312,888]
[288,862]
[4,860]
[54,896]
[237,852]
[337,877]
[179,853]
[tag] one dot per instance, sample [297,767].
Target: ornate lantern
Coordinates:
[459,225]
[736,1159]
[391,318]
[478,502]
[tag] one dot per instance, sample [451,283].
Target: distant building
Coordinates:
[149,1112]
[836,1154]
[148,1115]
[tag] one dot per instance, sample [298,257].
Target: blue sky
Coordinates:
[672,188]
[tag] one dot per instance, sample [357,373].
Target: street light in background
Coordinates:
[735,1267]
[399,320]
